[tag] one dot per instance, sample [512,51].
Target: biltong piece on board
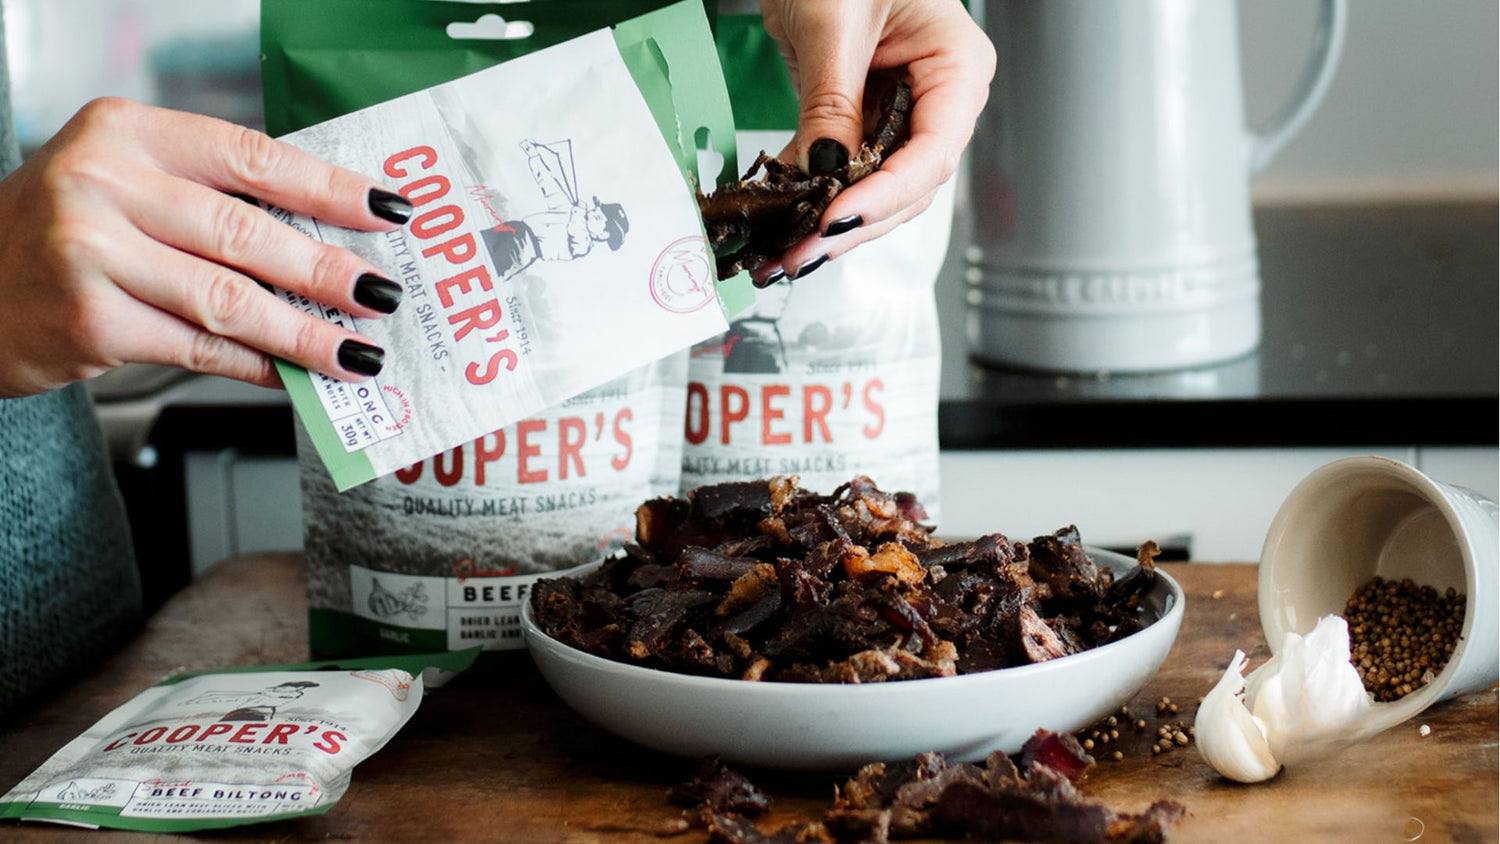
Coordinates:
[998,800]
[750,223]
[720,788]
[929,797]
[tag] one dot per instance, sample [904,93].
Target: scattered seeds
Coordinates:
[1117,736]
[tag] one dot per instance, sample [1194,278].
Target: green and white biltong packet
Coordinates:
[213,749]
[441,553]
[555,243]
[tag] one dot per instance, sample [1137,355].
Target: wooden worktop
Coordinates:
[494,756]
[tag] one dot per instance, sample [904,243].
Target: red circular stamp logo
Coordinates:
[682,279]
[401,409]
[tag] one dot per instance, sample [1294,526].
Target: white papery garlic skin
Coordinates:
[1306,701]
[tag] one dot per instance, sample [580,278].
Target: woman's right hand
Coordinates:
[122,239]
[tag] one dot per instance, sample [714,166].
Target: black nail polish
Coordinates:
[392,207]
[361,358]
[377,293]
[826,156]
[807,268]
[844,224]
[770,279]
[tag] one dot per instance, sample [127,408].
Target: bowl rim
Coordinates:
[1171,616]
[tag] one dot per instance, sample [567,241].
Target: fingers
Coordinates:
[98,326]
[228,231]
[237,160]
[944,112]
[828,51]
[916,170]
[171,341]
[815,249]
[236,312]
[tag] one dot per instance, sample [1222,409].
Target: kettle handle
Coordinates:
[1328,45]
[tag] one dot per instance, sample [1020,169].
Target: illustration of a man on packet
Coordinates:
[570,226]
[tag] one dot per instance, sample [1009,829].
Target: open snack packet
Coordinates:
[555,244]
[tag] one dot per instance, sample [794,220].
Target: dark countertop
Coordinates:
[1379,328]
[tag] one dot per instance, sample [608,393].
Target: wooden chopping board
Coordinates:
[494,756]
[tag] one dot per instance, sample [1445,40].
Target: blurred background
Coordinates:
[1377,232]
[1412,112]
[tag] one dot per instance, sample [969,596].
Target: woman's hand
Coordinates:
[831,47]
[122,240]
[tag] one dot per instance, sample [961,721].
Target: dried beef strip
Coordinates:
[1060,563]
[1059,751]
[720,788]
[750,223]
[1037,801]
[928,797]
[712,565]
[764,580]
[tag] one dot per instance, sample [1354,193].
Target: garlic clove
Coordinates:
[1309,695]
[1229,737]
[1306,701]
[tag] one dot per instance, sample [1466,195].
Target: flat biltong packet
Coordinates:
[243,745]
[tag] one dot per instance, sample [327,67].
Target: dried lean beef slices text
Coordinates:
[763,580]
[753,221]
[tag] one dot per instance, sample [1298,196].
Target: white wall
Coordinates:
[1413,112]
[1220,499]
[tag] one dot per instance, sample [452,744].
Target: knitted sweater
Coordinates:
[69,589]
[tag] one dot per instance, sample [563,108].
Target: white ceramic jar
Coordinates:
[1111,185]
[1360,517]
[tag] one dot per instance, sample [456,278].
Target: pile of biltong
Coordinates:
[764,580]
[1034,798]
[750,223]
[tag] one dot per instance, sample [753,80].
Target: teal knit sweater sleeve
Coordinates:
[69,588]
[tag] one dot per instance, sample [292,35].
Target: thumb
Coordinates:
[832,63]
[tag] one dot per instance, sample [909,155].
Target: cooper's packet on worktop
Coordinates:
[555,242]
[223,748]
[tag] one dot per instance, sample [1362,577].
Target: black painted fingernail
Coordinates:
[807,268]
[770,279]
[377,293]
[361,358]
[826,156]
[392,207]
[843,224]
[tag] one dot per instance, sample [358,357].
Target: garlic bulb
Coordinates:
[1306,701]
